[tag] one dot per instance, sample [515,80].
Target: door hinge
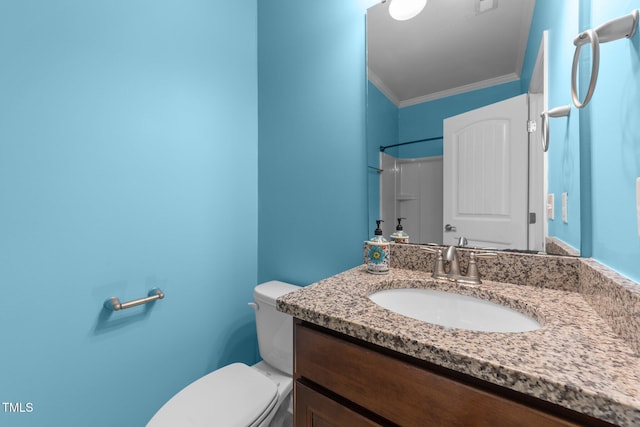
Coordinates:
[531,126]
[532,217]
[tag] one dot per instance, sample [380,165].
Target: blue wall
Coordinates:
[601,140]
[312,175]
[425,120]
[561,19]
[615,145]
[128,159]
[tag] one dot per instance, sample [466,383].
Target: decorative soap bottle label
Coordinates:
[376,256]
[376,252]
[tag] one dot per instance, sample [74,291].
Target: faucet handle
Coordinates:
[438,266]
[473,275]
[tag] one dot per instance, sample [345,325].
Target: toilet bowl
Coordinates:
[238,395]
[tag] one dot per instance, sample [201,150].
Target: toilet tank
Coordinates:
[275,329]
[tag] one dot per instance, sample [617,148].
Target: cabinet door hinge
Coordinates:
[531,126]
[532,217]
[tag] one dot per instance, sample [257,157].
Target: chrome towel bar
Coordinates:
[592,36]
[114,303]
[562,111]
[615,29]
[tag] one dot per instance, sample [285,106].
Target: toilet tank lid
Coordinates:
[235,395]
[270,291]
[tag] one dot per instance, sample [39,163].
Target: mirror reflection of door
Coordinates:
[485,180]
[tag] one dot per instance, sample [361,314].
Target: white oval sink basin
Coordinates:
[453,310]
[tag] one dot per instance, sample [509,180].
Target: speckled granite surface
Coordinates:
[575,359]
[614,297]
[555,272]
[555,246]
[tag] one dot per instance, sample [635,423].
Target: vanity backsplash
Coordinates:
[615,298]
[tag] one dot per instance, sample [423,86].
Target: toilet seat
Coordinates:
[235,395]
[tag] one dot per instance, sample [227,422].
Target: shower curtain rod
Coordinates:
[384,147]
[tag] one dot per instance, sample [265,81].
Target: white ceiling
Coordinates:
[448,48]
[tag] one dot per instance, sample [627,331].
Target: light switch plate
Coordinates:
[564,207]
[483,6]
[550,202]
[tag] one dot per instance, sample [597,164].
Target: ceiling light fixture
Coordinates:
[401,10]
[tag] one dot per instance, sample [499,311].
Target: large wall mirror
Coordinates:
[445,96]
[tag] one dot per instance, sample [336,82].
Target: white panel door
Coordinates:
[485,176]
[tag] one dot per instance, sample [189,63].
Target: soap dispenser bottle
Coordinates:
[400,236]
[376,252]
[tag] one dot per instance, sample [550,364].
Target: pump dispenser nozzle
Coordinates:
[378,231]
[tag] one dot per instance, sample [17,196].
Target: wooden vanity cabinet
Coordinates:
[343,382]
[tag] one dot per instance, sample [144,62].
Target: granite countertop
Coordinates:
[574,360]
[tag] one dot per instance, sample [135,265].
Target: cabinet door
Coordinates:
[402,392]
[313,409]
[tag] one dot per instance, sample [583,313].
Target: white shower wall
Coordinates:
[412,189]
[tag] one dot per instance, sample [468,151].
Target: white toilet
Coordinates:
[238,395]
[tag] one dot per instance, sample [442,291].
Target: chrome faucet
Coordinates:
[450,256]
